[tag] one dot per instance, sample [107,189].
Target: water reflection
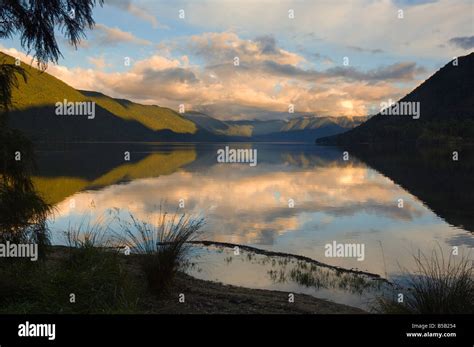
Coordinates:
[334,199]
[250,269]
[445,185]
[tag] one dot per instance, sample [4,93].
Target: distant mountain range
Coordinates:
[302,128]
[34,113]
[446,102]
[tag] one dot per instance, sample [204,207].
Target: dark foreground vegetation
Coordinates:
[439,286]
[107,281]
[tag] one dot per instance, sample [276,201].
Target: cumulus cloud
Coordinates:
[137,11]
[268,79]
[366,50]
[99,62]
[217,48]
[171,75]
[359,23]
[405,71]
[466,42]
[112,36]
[267,44]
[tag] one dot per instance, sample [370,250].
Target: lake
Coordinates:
[296,200]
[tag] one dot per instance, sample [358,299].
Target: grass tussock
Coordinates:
[87,235]
[163,246]
[97,273]
[439,286]
[87,277]
[92,275]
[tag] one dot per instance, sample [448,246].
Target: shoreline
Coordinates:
[268,253]
[209,297]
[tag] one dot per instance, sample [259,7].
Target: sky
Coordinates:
[321,58]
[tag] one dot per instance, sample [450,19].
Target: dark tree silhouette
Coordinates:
[8,81]
[22,212]
[36,20]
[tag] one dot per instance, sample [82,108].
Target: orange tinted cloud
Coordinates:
[267,79]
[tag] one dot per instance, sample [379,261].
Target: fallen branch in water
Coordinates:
[298,257]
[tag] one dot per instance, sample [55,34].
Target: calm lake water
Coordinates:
[334,200]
